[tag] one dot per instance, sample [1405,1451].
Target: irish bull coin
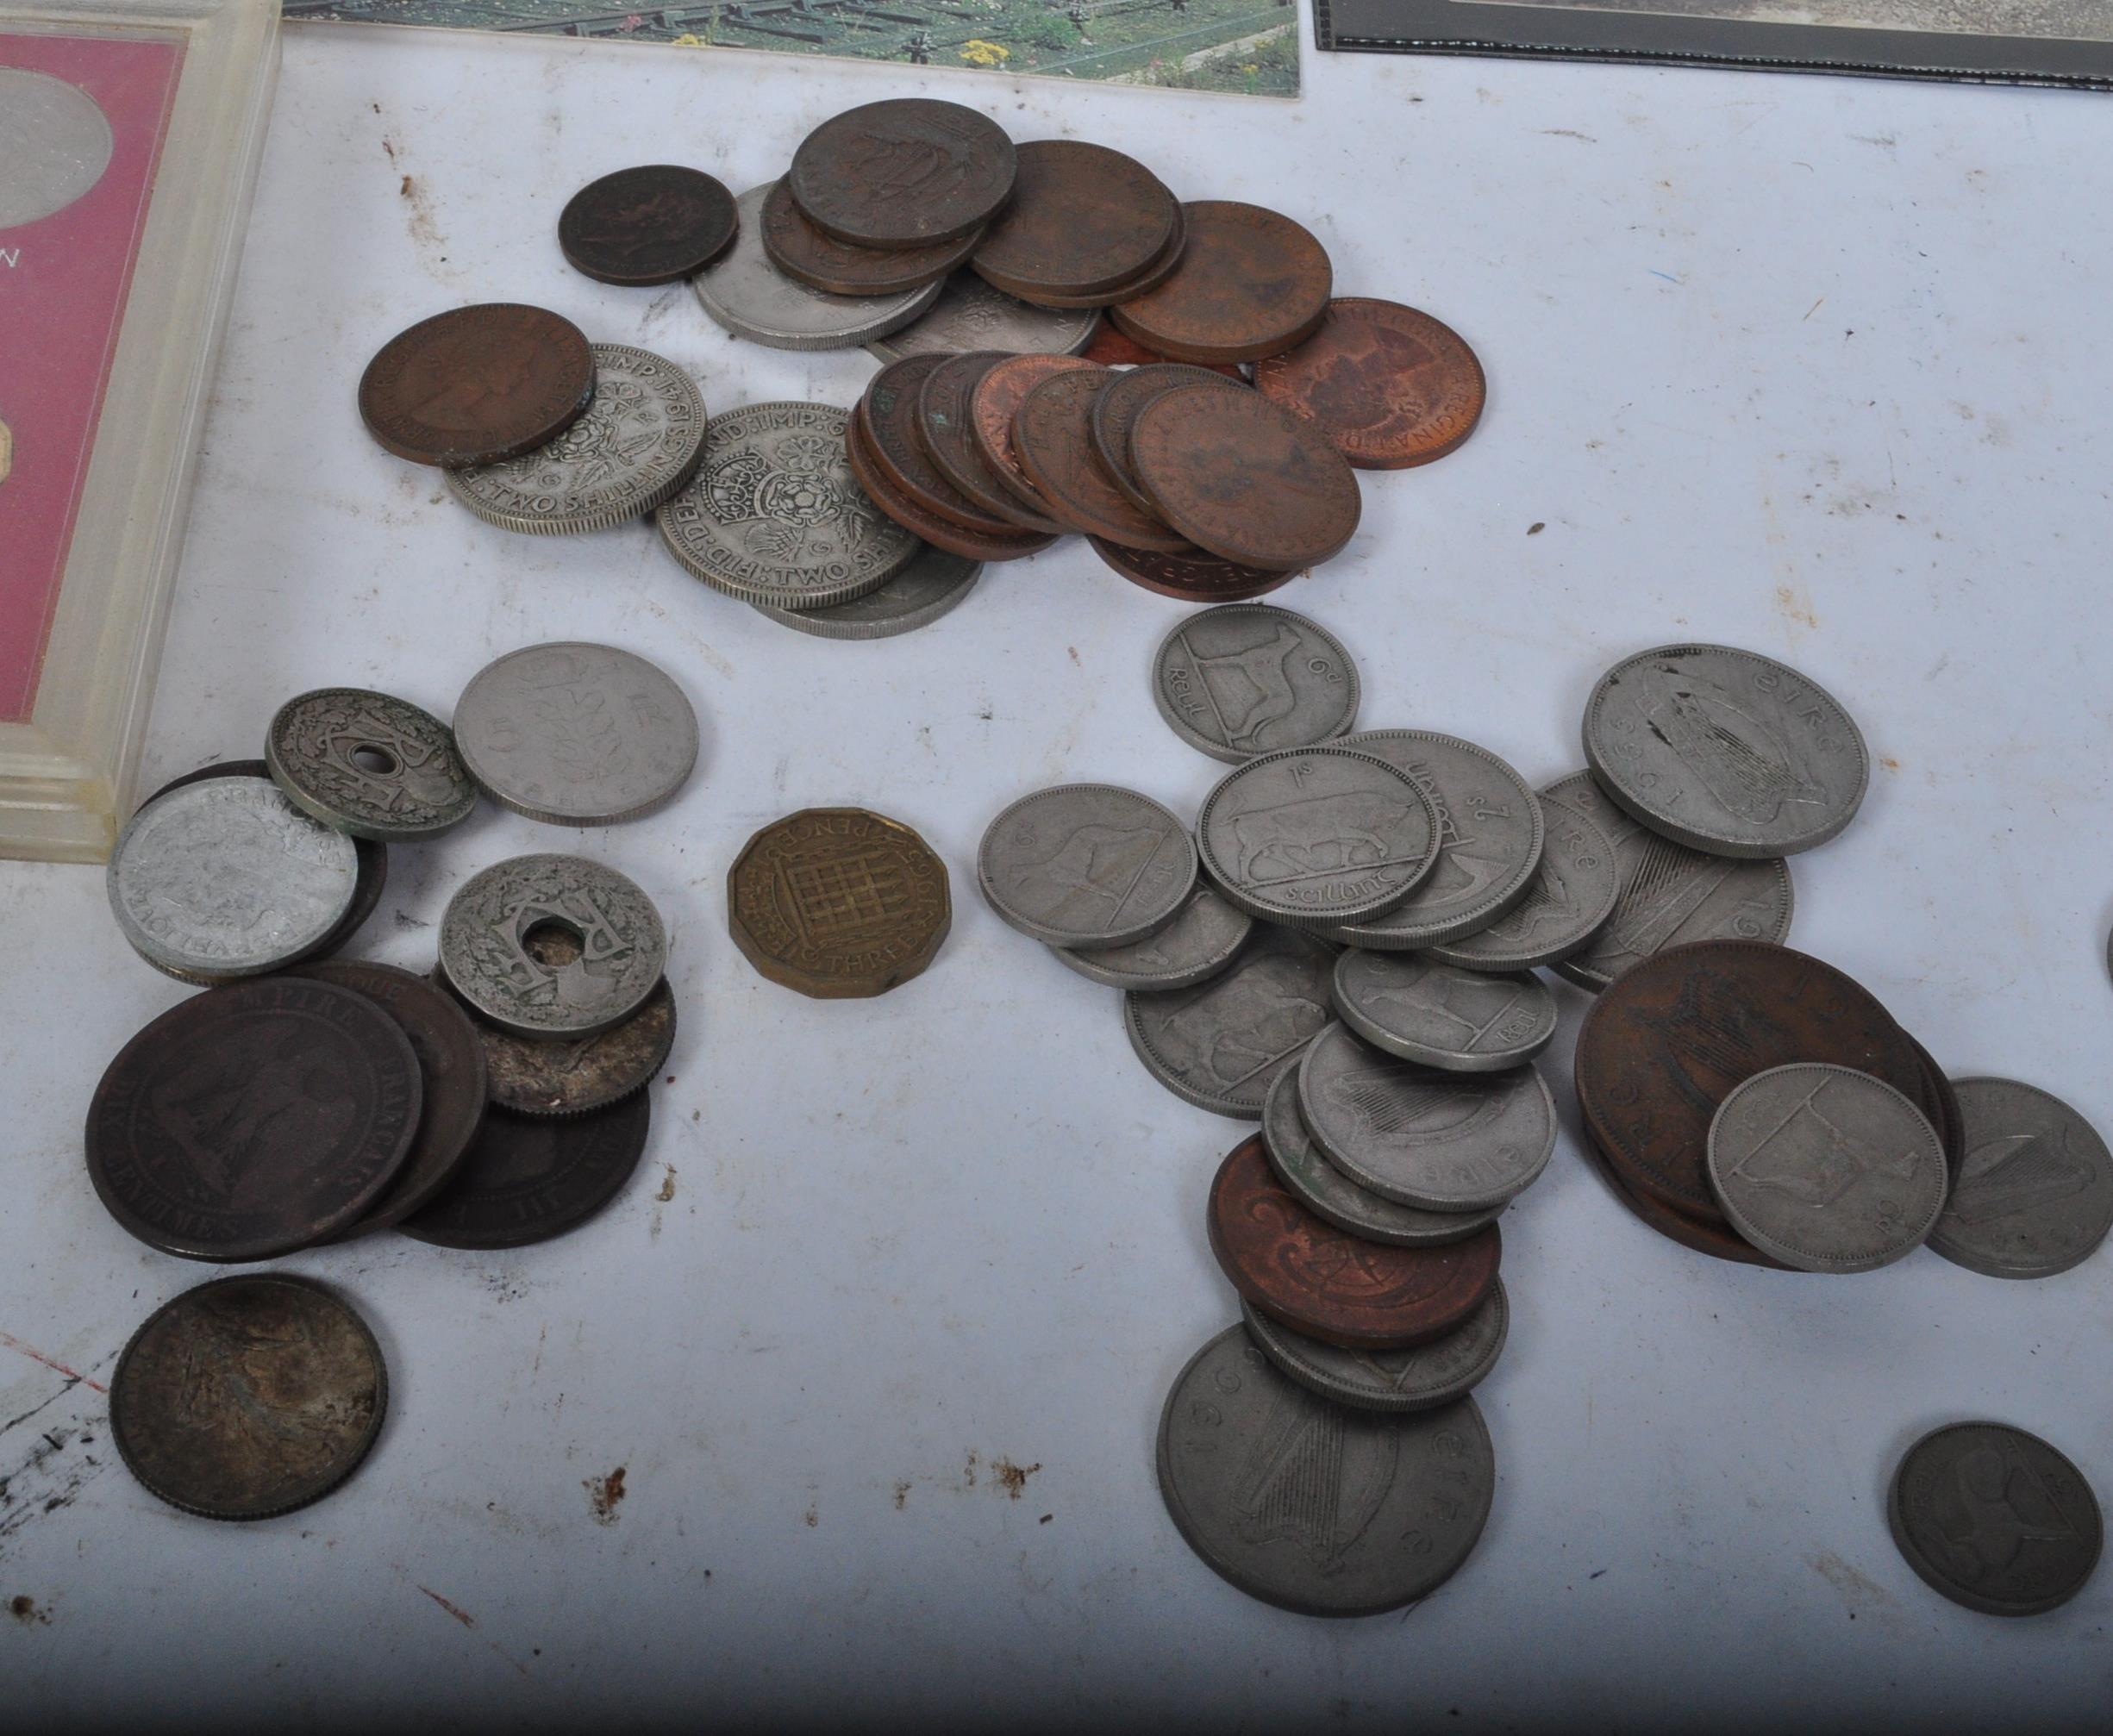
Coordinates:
[1421,1377]
[1570,900]
[2033,1195]
[1461,1021]
[1247,678]
[477,386]
[902,173]
[576,1076]
[968,314]
[1086,865]
[369,765]
[932,585]
[1200,942]
[1392,387]
[655,224]
[527,1178]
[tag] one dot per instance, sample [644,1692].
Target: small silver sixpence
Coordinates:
[1725,751]
[1448,1142]
[1201,941]
[1222,1045]
[576,735]
[369,765]
[1827,1169]
[226,877]
[640,441]
[932,585]
[1316,836]
[1462,1021]
[55,140]
[1247,678]
[1420,1378]
[1086,865]
[552,946]
[968,314]
[775,515]
[747,295]
[1570,900]
[2034,1194]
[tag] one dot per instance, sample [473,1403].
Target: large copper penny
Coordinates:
[656,224]
[1247,481]
[527,1179]
[1250,283]
[1189,577]
[947,431]
[804,253]
[1116,409]
[477,386]
[1112,349]
[1052,439]
[1719,1242]
[1391,386]
[1674,1035]
[1083,219]
[941,532]
[887,417]
[903,172]
[991,407]
[1298,1269]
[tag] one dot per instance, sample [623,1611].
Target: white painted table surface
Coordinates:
[1810,366]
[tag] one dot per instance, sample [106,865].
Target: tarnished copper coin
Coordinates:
[806,255]
[1247,481]
[1250,283]
[1116,409]
[533,1076]
[477,386]
[1160,269]
[1189,577]
[529,1178]
[947,431]
[901,510]
[654,224]
[1052,439]
[991,407]
[838,904]
[1719,1242]
[887,418]
[1674,1035]
[1083,219]
[248,1397]
[1391,386]
[903,172]
[1298,1269]
[1112,349]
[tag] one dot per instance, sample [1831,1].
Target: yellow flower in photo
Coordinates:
[979,53]
[688,40]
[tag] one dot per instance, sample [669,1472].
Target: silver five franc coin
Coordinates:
[1246,678]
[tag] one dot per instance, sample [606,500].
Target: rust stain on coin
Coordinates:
[534,1076]
[1084,219]
[945,428]
[1392,387]
[1250,282]
[655,224]
[902,173]
[806,255]
[477,386]
[941,532]
[1052,439]
[991,407]
[1189,577]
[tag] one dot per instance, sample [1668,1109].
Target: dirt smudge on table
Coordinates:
[604,1496]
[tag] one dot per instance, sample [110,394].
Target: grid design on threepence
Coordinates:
[844,898]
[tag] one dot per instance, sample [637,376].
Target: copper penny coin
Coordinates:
[903,172]
[1189,577]
[655,224]
[1674,1035]
[477,386]
[1243,479]
[991,407]
[1250,282]
[1719,1242]
[804,253]
[529,1178]
[1391,386]
[1295,1266]
[1112,349]
[947,431]
[887,418]
[1163,267]
[253,1120]
[1116,409]
[1939,1102]
[1083,219]
[914,518]
[534,1075]
[1052,439]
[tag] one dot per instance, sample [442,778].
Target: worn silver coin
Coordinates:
[1570,900]
[1448,1142]
[1461,1021]
[1826,1168]
[933,584]
[968,314]
[1668,894]
[747,295]
[1222,1045]
[641,441]
[55,140]
[1247,677]
[775,515]
[2034,1194]
[1995,1519]
[1420,1378]
[576,735]
[369,765]
[1725,751]
[1201,941]
[1314,1506]
[1316,836]
[1086,865]
[617,951]
[1489,839]
[1304,1169]
[226,877]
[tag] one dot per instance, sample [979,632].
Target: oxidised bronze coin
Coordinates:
[253,1120]
[1250,283]
[1293,1265]
[941,532]
[529,1178]
[838,904]
[1112,349]
[655,224]
[1719,1242]
[903,172]
[1391,386]
[992,405]
[477,386]
[1052,439]
[804,253]
[1239,476]
[1150,278]
[887,417]
[537,1076]
[946,429]
[1116,409]
[248,1397]
[1084,219]
[1189,577]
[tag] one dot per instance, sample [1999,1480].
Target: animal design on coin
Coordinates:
[1222,1045]
[1244,680]
[1412,1005]
[369,765]
[1086,865]
[2034,1194]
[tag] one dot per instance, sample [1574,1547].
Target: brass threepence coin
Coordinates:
[903,172]
[1052,439]
[946,429]
[530,1178]
[1391,386]
[1250,284]
[991,407]
[1083,221]
[369,765]
[477,386]
[655,224]
[805,254]
[575,1076]
[1196,578]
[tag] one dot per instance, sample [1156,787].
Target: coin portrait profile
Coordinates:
[55,143]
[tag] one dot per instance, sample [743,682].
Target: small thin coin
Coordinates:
[530,1178]
[248,1397]
[946,429]
[1086,865]
[1250,284]
[902,173]
[576,735]
[1447,1142]
[655,224]
[1247,679]
[1392,387]
[1570,900]
[804,253]
[477,386]
[968,314]
[1457,1020]
[1222,1045]
[1116,409]
[888,423]
[1052,437]
[576,1076]
[1312,1506]
[369,765]
[1199,942]
[992,405]
[2033,1195]
[1995,1519]
[1826,1168]
[930,527]
[1421,1377]
[1188,577]
[1083,219]
[1725,751]
[932,585]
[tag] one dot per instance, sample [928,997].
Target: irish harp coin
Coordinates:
[1421,1377]
[1391,386]
[1200,942]
[1086,865]
[369,765]
[1052,437]
[576,1076]
[530,1178]
[932,585]
[1244,680]
[1461,1021]
[654,224]
[1569,901]
[477,386]
[2034,1195]
[968,314]
[1250,284]
[803,252]
[902,173]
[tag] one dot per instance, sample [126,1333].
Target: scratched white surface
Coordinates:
[1809,365]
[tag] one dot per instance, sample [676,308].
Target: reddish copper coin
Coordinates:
[1053,438]
[1116,409]
[1189,577]
[1940,1102]
[903,172]
[1719,1242]
[947,428]
[1250,282]
[656,224]
[1673,1036]
[991,407]
[1298,1269]
[1239,476]
[939,532]
[1391,386]
[804,253]
[477,386]
[1112,349]
[887,418]
[1083,219]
